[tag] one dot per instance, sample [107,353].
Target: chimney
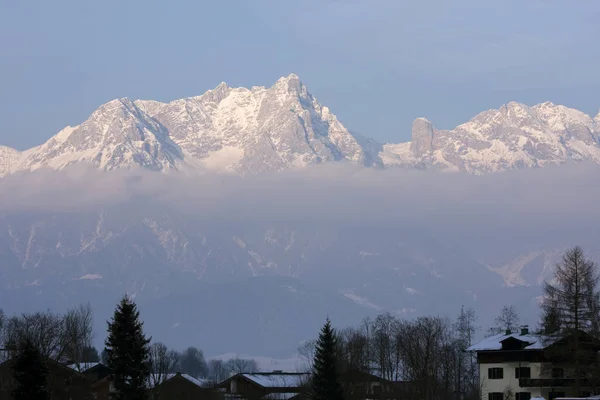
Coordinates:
[525,330]
[508,332]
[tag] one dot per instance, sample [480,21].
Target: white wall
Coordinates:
[509,382]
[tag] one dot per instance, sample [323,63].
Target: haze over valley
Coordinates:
[244,217]
[245,169]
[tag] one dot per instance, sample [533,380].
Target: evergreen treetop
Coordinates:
[325,380]
[30,374]
[127,351]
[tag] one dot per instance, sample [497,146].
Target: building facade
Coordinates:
[523,366]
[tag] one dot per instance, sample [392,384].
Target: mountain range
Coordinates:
[249,131]
[251,280]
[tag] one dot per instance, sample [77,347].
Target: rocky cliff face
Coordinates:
[422,137]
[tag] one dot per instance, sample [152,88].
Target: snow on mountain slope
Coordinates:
[284,126]
[236,129]
[118,134]
[9,159]
[258,129]
[514,136]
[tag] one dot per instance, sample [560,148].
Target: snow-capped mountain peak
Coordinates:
[257,129]
[117,134]
[513,136]
[284,126]
[291,84]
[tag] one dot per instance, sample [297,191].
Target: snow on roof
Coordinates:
[81,367]
[155,378]
[577,398]
[495,342]
[279,396]
[277,380]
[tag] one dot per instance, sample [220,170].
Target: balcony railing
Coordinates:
[551,382]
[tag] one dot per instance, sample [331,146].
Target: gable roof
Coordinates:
[277,380]
[49,362]
[155,377]
[82,367]
[532,342]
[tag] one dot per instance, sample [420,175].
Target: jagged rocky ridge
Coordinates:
[284,126]
[514,136]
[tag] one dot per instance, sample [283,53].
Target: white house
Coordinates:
[520,366]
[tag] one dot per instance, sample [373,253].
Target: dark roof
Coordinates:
[87,367]
[198,382]
[49,361]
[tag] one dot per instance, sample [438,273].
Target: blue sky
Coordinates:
[378,64]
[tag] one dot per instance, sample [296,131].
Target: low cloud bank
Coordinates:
[326,192]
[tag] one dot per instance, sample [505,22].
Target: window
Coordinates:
[523,396]
[558,373]
[495,373]
[496,396]
[522,372]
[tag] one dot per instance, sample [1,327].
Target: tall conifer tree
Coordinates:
[127,352]
[30,374]
[325,380]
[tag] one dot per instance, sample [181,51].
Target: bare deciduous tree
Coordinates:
[355,360]
[241,365]
[44,329]
[3,354]
[77,333]
[192,362]
[508,320]
[217,371]
[383,331]
[61,337]
[427,354]
[467,369]
[162,363]
[306,351]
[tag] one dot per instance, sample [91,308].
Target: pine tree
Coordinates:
[127,352]
[325,380]
[30,374]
